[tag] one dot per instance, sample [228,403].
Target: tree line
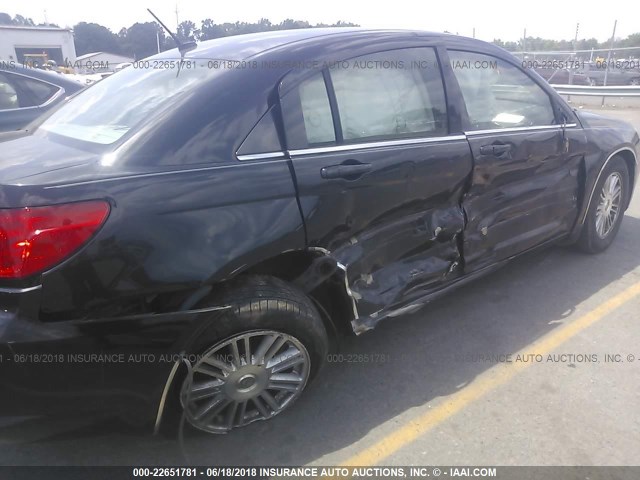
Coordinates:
[141,39]
[537,44]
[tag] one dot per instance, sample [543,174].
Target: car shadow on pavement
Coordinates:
[404,363]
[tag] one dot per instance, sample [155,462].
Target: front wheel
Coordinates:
[606,209]
[256,359]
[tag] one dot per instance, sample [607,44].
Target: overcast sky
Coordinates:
[491,18]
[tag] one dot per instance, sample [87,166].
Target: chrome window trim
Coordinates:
[396,143]
[472,133]
[382,144]
[260,156]
[606,162]
[350,147]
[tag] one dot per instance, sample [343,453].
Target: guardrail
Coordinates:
[589,91]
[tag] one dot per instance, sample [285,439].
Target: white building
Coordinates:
[26,44]
[98,62]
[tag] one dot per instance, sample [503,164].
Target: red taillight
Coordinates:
[33,239]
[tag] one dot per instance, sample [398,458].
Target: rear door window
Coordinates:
[307,114]
[383,96]
[316,111]
[263,138]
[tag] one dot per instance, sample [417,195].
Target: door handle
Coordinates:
[498,149]
[347,171]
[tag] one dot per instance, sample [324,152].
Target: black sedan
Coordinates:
[562,76]
[192,234]
[26,93]
[596,73]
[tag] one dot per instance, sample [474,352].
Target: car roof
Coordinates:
[55,78]
[243,47]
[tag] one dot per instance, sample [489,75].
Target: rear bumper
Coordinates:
[34,376]
[70,367]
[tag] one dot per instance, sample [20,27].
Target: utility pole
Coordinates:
[177,19]
[524,44]
[474,32]
[606,71]
[575,45]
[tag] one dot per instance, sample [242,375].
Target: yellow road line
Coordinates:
[490,380]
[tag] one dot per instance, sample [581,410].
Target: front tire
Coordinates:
[255,359]
[606,209]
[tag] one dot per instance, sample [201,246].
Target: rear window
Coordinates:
[108,110]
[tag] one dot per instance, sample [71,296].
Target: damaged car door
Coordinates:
[380,178]
[524,187]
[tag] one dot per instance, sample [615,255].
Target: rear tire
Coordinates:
[253,360]
[606,211]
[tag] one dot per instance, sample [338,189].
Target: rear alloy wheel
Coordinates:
[253,360]
[606,209]
[248,377]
